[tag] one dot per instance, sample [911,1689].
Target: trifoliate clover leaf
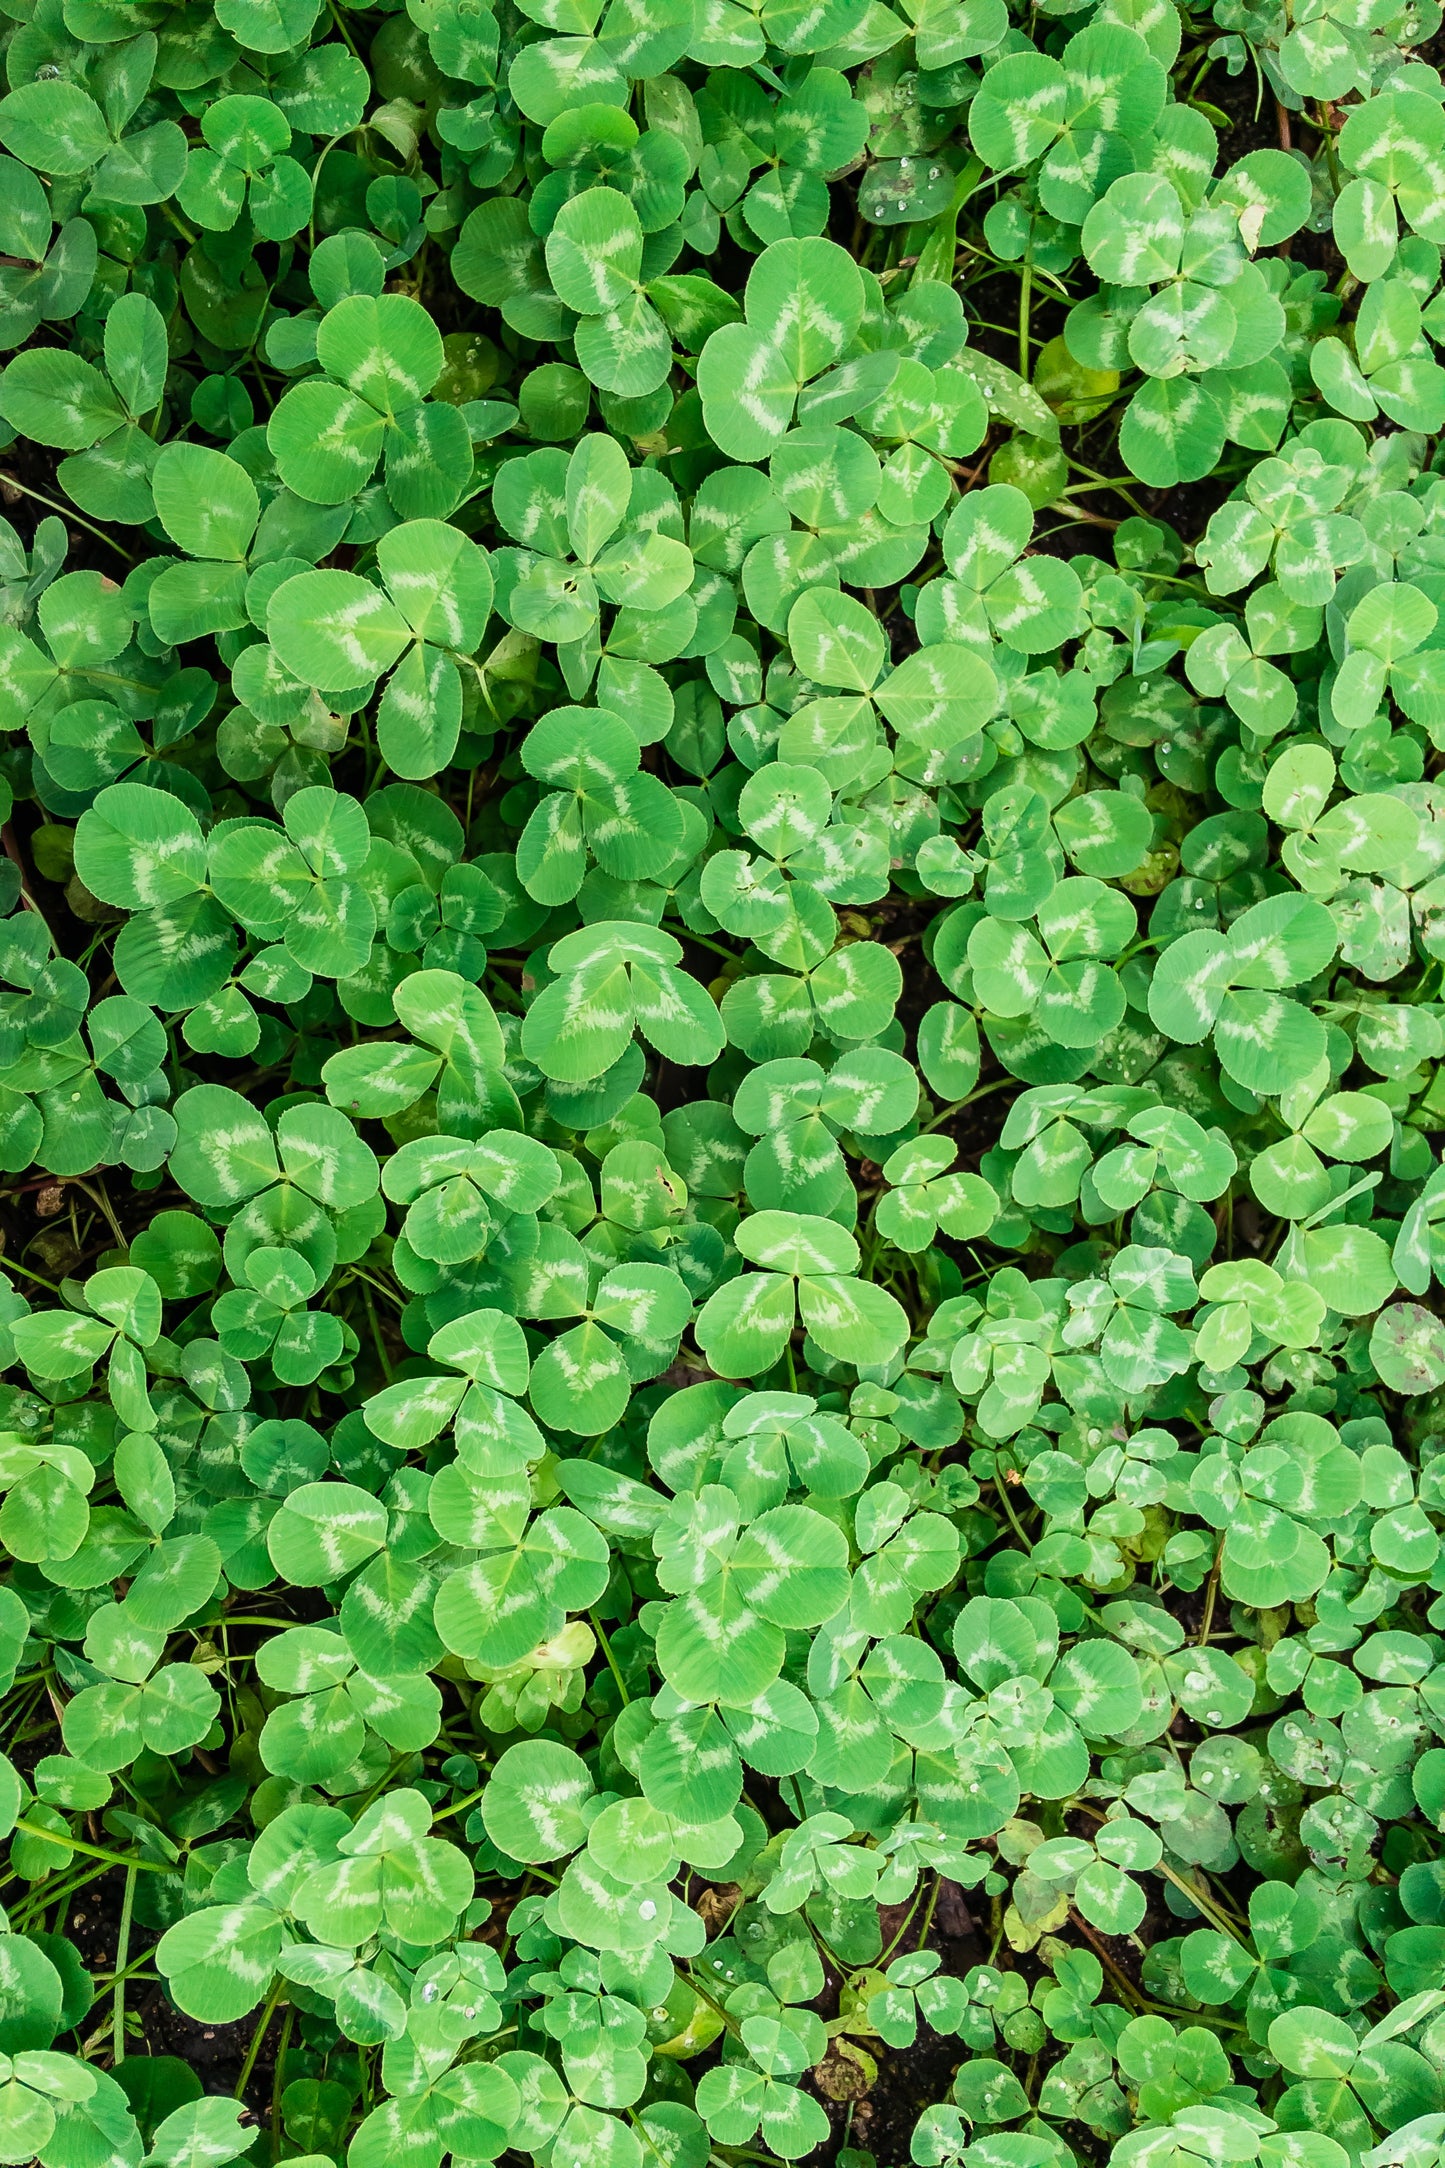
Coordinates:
[1031,605]
[1391,370]
[1233,984]
[803,303]
[808,1265]
[613,979]
[336,631]
[925,1196]
[1289,518]
[586,542]
[244,161]
[381,356]
[1392,145]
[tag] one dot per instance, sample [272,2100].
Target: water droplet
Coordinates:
[430,1992]
[935,173]
[647,1910]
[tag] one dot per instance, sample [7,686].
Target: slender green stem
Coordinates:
[380,1286]
[180,225]
[325,153]
[1026,295]
[136,1965]
[53,1891]
[907,1923]
[713,2004]
[122,1952]
[999,1084]
[256,2038]
[346,34]
[461,1805]
[66,512]
[93,1851]
[13,1264]
[606,1646]
[277,2079]
[381,1355]
[1001,1486]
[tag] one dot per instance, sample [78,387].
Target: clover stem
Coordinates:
[958,1105]
[380,1287]
[1101,481]
[925,1923]
[1000,1484]
[606,1647]
[326,150]
[235,1619]
[67,512]
[180,225]
[716,2007]
[102,1202]
[1210,1593]
[1026,285]
[335,13]
[286,2024]
[92,1851]
[1076,512]
[382,1357]
[461,1806]
[137,1964]
[1116,1973]
[257,2037]
[45,1897]
[907,1921]
[12,852]
[1203,1900]
[122,1952]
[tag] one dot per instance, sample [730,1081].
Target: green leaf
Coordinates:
[334,631]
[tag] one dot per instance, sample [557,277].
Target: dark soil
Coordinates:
[912,2079]
[215,2052]
[879,2117]
[27,467]
[1252,122]
[154,2026]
